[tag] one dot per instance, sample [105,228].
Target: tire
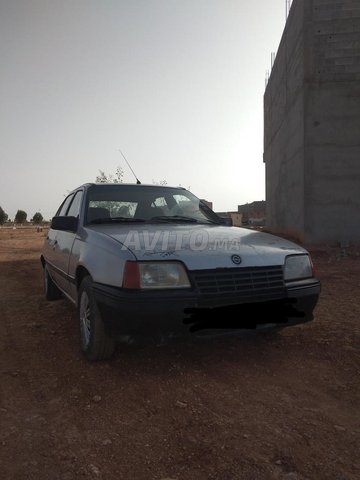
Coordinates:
[96,344]
[51,290]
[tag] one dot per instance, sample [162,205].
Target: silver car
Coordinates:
[139,259]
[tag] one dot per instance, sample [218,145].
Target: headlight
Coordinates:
[163,275]
[155,275]
[297,267]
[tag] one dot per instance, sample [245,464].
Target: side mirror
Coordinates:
[67,224]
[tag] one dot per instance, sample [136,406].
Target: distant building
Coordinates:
[236,217]
[253,213]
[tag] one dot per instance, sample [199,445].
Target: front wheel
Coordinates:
[96,344]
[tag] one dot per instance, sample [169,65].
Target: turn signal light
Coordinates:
[131,278]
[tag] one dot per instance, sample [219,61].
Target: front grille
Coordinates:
[248,283]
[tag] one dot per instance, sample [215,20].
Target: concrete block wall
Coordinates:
[284,130]
[317,169]
[334,38]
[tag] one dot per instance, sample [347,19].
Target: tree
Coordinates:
[116,208]
[37,218]
[3,216]
[20,216]
[160,182]
[109,178]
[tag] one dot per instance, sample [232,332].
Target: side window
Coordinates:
[74,210]
[65,205]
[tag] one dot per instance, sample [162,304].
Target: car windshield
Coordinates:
[142,203]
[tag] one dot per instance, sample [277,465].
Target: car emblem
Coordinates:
[236,259]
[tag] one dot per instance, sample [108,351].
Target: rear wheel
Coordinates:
[51,290]
[96,344]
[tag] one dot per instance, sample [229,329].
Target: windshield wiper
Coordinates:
[116,220]
[173,218]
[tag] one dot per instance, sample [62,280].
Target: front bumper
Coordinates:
[134,312]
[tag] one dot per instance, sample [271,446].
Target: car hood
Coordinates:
[200,246]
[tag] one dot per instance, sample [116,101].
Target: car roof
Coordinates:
[141,185]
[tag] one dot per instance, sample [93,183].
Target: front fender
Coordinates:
[102,256]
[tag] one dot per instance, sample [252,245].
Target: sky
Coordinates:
[177,85]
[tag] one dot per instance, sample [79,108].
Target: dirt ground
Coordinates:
[237,408]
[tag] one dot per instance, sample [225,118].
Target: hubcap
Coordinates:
[85,322]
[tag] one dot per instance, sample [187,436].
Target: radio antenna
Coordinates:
[127,163]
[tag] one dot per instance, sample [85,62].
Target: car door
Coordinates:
[51,250]
[64,244]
